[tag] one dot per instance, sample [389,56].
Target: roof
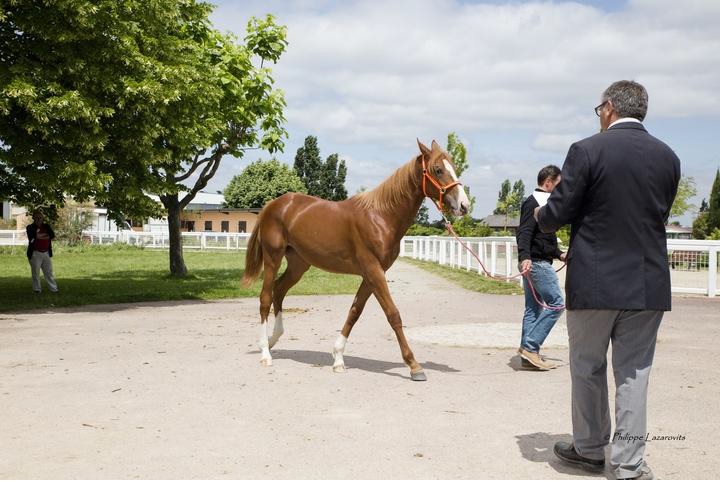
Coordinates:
[674,228]
[498,220]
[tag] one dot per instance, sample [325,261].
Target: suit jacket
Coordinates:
[616,191]
[31,231]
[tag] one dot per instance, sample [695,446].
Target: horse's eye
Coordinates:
[438,170]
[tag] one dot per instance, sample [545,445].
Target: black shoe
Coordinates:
[566,452]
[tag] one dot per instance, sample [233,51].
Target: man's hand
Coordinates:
[563,257]
[535,214]
[525,266]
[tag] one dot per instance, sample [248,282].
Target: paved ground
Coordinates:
[175,390]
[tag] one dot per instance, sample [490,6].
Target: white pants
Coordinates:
[42,261]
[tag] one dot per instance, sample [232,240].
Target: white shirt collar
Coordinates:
[624,119]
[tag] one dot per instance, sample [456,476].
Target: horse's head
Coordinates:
[440,183]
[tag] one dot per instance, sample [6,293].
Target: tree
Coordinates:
[260,182]
[505,190]
[71,220]
[713,212]
[686,191]
[308,165]
[510,199]
[422,218]
[108,100]
[325,180]
[703,206]
[458,152]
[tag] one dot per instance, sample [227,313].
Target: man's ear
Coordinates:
[423,148]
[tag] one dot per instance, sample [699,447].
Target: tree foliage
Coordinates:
[686,191]
[118,100]
[260,182]
[713,211]
[325,180]
[510,198]
[458,152]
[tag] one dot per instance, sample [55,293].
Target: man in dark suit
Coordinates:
[616,192]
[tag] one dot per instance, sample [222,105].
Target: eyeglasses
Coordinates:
[598,109]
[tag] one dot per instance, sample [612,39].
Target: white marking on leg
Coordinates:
[338,349]
[265,357]
[278,329]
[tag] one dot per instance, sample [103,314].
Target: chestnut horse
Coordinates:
[359,236]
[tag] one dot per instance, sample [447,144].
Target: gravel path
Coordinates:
[175,390]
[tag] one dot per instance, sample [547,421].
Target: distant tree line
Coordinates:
[263,181]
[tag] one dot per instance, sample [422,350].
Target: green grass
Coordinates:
[124,274]
[469,280]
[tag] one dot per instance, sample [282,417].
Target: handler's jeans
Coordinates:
[537,321]
[42,261]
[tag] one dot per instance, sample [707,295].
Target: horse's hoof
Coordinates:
[418,376]
[339,369]
[265,362]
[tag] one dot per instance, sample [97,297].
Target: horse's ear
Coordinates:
[434,145]
[423,148]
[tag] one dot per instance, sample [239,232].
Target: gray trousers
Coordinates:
[42,261]
[633,335]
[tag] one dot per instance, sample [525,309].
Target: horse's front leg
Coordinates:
[376,278]
[356,310]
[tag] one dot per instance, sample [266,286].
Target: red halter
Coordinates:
[441,189]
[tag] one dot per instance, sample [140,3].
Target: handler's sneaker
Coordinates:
[535,360]
[566,452]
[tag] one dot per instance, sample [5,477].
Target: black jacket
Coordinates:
[617,190]
[31,231]
[532,243]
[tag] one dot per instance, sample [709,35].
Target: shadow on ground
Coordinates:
[321,358]
[538,447]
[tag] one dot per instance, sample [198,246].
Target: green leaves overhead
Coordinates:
[116,100]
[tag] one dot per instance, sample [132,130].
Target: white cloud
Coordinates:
[380,74]
[558,143]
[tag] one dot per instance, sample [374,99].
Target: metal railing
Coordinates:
[693,263]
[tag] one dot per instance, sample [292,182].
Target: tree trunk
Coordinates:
[177,263]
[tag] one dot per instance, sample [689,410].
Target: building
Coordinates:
[206,212]
[675,231]
[499,222]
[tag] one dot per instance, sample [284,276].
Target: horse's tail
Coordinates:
[253,256]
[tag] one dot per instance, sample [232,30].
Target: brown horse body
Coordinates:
[359,236]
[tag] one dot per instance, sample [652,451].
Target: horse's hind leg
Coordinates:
[356,310]
[296,268]
[271,261]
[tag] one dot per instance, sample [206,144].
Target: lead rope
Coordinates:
[526,273]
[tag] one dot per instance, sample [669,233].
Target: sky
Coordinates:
[516,80]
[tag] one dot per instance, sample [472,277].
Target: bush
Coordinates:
[701,226]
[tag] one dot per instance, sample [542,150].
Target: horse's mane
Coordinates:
[392,191]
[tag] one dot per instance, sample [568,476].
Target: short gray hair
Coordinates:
[629,98]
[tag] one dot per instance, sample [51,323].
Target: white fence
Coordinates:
[693,263]
[191,240]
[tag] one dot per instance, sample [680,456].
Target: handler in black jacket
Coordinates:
[536,251]
[616,192]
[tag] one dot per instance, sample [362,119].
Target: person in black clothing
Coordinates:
[39,252]
[536,251]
